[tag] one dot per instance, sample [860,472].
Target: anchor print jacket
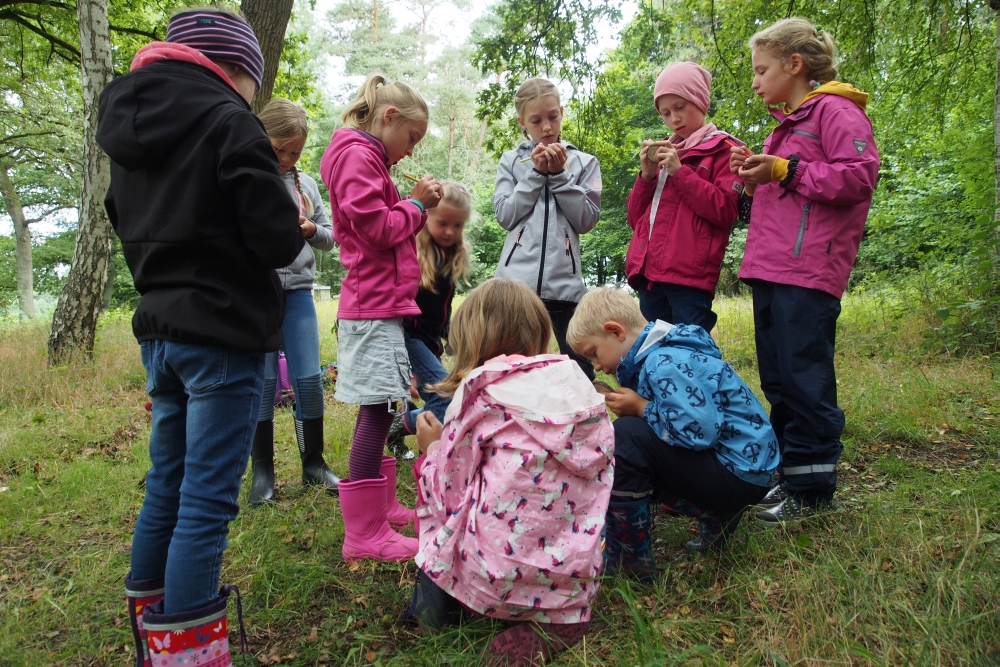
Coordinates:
[696,400]
[512,500]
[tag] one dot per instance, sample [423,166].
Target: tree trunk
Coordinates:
[22,245]
[269,20]
[74,323]
[451,141]
[375,28]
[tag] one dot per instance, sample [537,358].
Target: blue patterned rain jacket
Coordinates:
[696,400]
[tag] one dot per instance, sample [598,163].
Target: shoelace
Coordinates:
[244,645]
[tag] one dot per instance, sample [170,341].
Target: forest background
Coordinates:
[929,66]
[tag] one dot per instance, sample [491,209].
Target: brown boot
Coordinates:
[531,644]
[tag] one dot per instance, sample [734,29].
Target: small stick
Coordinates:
[742,148]
[527,158]
[415,180]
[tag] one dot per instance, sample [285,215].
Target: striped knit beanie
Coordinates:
[219,36]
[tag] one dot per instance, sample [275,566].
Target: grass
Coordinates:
[907,573]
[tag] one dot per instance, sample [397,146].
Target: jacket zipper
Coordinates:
[517,242]
[545,237]
[802,230]
[572,259]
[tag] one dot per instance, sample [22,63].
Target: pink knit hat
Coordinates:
[686,79]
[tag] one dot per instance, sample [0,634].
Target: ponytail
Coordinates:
[377,94]
[306,202]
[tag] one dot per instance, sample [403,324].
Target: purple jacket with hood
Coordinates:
[806,231]
[375,229]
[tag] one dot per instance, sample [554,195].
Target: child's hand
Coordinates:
[737,156]
[667,157]
[625,403]
[557,157]
[427,191]
[307,226]
[414,394]
[648,167]
[540,158]
[756,170]
[428,430]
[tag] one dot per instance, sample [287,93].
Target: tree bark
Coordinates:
[451,141]
[269,20]
[74,324]
[22,245]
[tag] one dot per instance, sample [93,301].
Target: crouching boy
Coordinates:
[690,434]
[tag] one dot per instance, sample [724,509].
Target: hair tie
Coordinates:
[814,84]
[819,29]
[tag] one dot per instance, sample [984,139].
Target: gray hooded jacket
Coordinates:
[300,273]
[544,214]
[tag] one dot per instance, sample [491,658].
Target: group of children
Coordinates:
[527,492]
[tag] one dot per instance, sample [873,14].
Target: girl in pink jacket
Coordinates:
[514,487]
[807,198]
[376,232]
[683,204]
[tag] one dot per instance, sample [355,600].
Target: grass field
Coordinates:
[908,572]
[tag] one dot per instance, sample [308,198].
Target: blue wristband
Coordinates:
[419,205]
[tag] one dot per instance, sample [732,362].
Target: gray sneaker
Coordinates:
[773,498]
[792,508]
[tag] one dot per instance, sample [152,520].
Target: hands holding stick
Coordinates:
[548,159]
[753,169]
[427,191]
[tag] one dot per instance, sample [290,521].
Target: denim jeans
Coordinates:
[429,370]
[205,406]
[678,304]
[300,340]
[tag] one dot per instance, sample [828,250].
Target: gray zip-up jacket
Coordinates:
[300,273]
[544,215]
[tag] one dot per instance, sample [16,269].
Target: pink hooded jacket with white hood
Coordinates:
[375,229]
[806,232]
[513,497]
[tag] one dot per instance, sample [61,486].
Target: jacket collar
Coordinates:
[376,143]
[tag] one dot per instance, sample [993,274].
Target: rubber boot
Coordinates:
[531,644]
[309,433]
[403,424]
[628,543]
[713,527]
[199,637]
[398,515]
[141,594]
[262,464]
[366,528]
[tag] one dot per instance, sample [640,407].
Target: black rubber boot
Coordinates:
[309,433]
[262,463]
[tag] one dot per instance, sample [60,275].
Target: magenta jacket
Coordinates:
[806,232]
[695,211]
[376,231]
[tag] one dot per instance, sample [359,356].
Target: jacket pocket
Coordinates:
[803,223]
[569,252]
[517,242]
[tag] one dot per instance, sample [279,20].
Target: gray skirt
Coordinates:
[372,365]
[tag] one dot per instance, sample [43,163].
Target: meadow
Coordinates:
[907,571]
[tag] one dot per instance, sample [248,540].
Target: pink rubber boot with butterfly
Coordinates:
[199,637]
[140,594]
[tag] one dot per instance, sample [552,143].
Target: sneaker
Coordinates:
[792,508]
[402,427]
[773,498]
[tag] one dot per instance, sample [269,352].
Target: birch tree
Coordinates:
[269,20]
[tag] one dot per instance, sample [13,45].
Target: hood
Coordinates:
[144,115]
[837,88]
[348,136]
[659,333]
[157,51]
[526,147]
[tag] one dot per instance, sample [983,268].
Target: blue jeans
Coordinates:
[678,304]
[300,340]
[429,370]
[205,406]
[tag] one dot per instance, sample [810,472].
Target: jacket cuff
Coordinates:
[779,170]
[643,184]
[793,171]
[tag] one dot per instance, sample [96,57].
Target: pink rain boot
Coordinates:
[366,529]
[399,516]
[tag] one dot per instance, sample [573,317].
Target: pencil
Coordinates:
[743,148]
[415,180]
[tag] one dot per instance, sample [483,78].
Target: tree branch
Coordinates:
[38,30]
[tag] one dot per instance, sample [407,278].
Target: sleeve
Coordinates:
[323,238]
[639,199]
[358,186]
[248,173]
[684,406]
[850,175]
[746,206]
[716,200]
[514,200]
[579,195]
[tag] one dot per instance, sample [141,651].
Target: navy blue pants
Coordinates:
[677,304]
[795,330]
[561,312]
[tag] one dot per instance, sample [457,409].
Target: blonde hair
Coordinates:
[529,91]
[284,119]
[600,305]
[797,35]
[435,260]
[377,94]
[498,317]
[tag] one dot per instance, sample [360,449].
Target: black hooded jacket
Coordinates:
[195,197]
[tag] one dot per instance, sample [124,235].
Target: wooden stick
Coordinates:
[415,180]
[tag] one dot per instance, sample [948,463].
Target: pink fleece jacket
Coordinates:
[512,498]
[807,231]
[376,230]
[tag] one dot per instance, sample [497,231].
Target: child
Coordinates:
[683,204]
[514,487]
[547,194]
[444,260]
[376,232]
[204,220]
[287,127]
[689,432]
[808,197]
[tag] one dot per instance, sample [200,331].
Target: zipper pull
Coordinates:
[517,239]
[567,243]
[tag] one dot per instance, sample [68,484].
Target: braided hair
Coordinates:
[283,119]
